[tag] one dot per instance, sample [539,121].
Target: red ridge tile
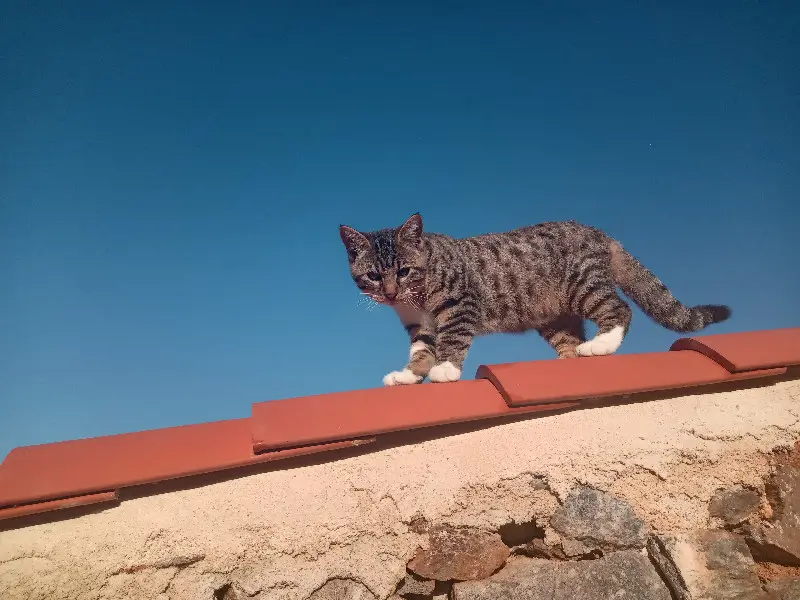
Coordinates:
[557,380]
[51,476]
[346,415]
[747,351]
[60,504]
[51,471]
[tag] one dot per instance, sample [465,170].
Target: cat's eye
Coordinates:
[403,272]
[374,276]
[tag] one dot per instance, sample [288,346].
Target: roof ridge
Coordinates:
[47,477]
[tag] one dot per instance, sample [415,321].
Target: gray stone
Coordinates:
[734,505]
[778,539]
[712,565]
[342,589]
[624,575]
[784,589]
[573,548]
[413,584]
[539,549]
[599,520]
[459,554]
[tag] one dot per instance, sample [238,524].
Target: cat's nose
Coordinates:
[391,294]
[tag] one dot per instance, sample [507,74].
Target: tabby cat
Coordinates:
[548,277]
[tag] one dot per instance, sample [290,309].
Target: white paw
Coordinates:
[404,377]
[444,372]
[602,344]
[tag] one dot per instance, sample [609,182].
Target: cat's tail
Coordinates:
[653,297]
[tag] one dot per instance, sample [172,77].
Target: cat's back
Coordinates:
[560,228]
[554,232]
[546,248]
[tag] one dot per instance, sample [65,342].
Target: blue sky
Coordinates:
[172,178]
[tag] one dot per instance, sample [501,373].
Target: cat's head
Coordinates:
[388,265]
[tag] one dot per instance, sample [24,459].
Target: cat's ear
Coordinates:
[355,241]
[411,231]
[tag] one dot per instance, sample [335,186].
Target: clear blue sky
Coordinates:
[172,178]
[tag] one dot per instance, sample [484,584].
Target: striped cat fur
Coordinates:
[548,277]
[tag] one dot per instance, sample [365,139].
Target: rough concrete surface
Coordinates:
[283,535]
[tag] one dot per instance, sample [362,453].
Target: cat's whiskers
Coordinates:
[413,301]
[367,301]
[408,297]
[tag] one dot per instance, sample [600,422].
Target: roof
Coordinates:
[56,476]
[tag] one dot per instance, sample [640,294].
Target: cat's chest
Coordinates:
[412,316]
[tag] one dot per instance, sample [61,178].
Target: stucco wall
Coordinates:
[283,534]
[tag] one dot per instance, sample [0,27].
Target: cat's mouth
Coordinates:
[386,301]
[400,300]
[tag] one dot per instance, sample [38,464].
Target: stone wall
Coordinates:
[685,496]
[750,551]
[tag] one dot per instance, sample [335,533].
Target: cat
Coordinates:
[547,277]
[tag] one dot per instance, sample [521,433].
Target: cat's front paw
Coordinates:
[444,372]
[404,377]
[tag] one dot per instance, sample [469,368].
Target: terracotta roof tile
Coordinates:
[739,352]
[84,467]
[347,415]
[523,384]
[35,479]
[61,504]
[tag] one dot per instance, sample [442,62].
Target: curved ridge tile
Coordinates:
[84,467]
[345,415]
[747,351]
[559,380]
[59,475]
[60,504]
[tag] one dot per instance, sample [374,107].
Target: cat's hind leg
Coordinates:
[564,334]
[600,302]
